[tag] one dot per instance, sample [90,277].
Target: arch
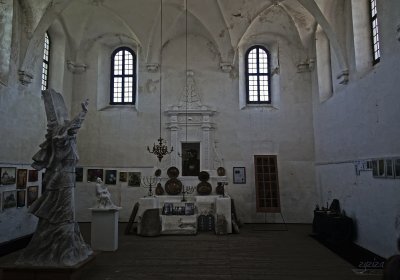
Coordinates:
[175,30]
[314,10]
[30,59]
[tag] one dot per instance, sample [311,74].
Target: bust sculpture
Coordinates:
[103,196]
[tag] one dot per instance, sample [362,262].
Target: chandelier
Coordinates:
[161,149]
[186,154]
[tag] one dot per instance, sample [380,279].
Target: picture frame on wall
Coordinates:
[22,178]
[378,168]
[33,175]
[123,176]
[9,199]
[78,174]
[32,195]
[21,197]
[389,170]
[134,179]
[239,175]
[7,175]
[397,168]
[93,174]
[111,177]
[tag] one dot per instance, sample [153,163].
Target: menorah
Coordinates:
[148,182]
[187,190]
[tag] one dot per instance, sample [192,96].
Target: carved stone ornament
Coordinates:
[57,241]
[343,77]
[225,67]
[152,67]
[306,66]
[75,67]
[24,77]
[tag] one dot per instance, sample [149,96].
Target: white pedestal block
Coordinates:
[104,229]
[223,207]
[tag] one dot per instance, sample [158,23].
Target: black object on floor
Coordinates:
[357,256]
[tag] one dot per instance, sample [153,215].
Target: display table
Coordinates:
[332,227]
[104,231]
[215,205]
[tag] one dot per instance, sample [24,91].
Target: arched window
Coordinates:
[123,76]
[258,78]
[46,59]
[375,32]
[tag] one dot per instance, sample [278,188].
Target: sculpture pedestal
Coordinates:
[104,233]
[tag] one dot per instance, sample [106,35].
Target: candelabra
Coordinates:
[187,190]
[148,182]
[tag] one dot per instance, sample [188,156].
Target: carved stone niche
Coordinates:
[193,125]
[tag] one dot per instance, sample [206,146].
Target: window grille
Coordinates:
[123,76]
[258,78]
[46,59]
[267,187]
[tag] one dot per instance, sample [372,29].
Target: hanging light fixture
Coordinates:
[161,149]
[185,154]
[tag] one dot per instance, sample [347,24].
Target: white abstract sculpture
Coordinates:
[57,240]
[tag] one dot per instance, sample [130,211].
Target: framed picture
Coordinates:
[378,168]
[389,172]
[190,159]
[168,208]
[375,168]
[21,198]
[9,199]
[93,174]
[134,179]
[78,174]
[111,177]
[33,193]
[33,175]
[123,176]
[397,168]
[22,177]
[239,175]
[189,208]
[7,175]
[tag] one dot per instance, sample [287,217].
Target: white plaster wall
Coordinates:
[23,127]
[360,122]
[117,138]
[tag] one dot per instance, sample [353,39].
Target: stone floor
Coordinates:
[260,251]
